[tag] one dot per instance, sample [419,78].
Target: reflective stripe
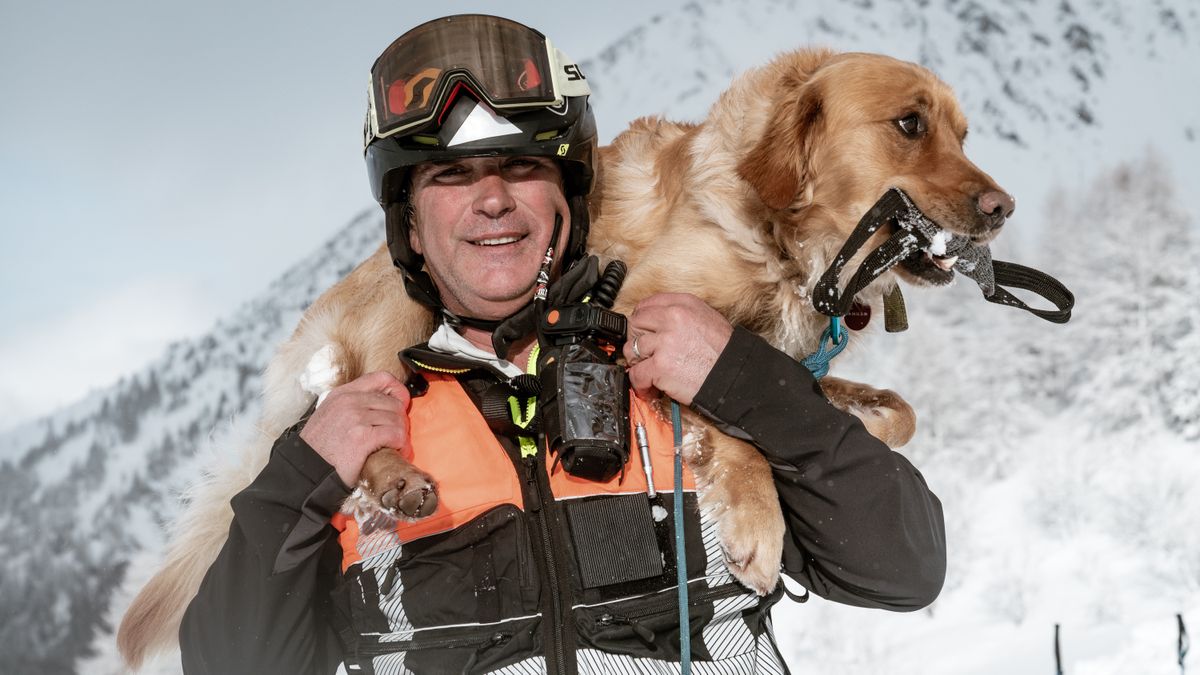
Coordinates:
[390,603]
[759,657]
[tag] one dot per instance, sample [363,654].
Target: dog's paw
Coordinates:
[391,487]
[414,497]
[885,414]
[366,513]
[752,540]
[402,491]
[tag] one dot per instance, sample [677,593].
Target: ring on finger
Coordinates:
[637,354]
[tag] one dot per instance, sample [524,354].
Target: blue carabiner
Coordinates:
[818,361]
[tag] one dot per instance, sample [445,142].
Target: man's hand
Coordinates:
[358,418]
[678,339]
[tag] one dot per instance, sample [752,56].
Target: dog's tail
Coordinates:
[151,623]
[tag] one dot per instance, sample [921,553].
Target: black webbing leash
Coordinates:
[831,301]
[916,232]
[1020,276]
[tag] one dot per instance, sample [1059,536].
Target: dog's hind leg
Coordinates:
[736,488]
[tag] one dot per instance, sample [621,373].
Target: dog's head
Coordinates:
[843,128]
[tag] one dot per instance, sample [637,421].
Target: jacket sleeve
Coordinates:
[863,528]
[264,606]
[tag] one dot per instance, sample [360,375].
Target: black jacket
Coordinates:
[863,529]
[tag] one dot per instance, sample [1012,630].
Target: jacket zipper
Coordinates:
[380,648]
[445,371]
[669,603]
[635,618]
[558,623]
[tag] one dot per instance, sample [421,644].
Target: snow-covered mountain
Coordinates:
[1066,86]
[85,490]
[1067,457]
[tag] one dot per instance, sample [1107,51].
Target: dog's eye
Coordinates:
[911,125]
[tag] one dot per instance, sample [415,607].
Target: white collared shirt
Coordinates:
[448,341]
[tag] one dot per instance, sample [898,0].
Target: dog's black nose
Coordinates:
[996,207]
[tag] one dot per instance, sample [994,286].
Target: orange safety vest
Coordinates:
[473,473]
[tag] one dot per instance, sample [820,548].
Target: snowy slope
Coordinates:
[1066,457]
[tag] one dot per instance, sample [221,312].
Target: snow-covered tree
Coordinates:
[1131,354]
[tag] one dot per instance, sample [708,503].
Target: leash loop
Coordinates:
[1026,278]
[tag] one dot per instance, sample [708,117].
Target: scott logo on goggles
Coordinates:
[573,72]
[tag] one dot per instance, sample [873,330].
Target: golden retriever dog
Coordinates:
[745,210]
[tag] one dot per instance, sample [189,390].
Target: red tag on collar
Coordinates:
[858,317]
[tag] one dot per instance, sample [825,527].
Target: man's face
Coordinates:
[483,225]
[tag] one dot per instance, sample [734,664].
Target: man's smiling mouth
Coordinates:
[498,241]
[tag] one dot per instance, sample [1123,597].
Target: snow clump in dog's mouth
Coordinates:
[936,251]
[933,263]
[946,253]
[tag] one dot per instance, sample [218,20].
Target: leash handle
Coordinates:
[913,234]
[1029,279]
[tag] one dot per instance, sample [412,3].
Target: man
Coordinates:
[479,145]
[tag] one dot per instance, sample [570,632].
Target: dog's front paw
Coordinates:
[752,539]
[391,489]
[885,414]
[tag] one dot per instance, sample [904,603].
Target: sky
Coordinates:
[161,162]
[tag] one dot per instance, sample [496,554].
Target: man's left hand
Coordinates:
[678,339]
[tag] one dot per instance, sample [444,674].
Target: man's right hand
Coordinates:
[358,418]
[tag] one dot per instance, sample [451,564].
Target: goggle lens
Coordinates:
[507,63]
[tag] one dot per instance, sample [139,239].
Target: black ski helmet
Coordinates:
[474,85]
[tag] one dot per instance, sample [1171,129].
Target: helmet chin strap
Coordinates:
[571,285]
[457,321]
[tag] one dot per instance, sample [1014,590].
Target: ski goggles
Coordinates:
[508,65]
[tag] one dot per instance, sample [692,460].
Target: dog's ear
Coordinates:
[777,166]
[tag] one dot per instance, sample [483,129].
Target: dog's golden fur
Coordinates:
[744,210]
